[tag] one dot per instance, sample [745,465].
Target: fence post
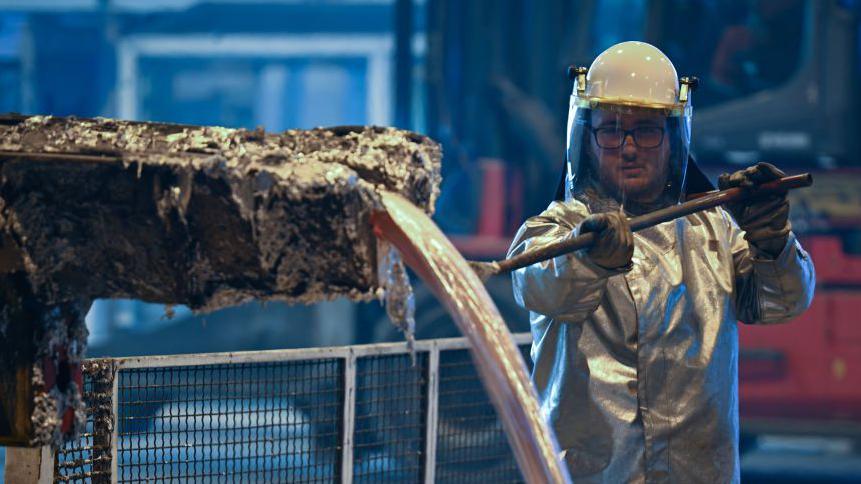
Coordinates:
[349,417]
[432,413]
[115,423]
[30,465]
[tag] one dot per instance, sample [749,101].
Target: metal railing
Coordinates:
[370,413]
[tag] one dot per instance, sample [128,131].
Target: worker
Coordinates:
[635,340]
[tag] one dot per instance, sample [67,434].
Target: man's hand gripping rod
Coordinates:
[697,203]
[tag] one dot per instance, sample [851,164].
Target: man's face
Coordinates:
[631,172]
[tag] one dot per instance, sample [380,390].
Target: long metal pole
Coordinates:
[697,204]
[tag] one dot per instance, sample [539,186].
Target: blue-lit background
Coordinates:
[779,83]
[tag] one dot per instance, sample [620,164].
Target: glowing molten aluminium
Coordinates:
[499,363]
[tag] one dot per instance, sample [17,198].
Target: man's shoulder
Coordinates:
[572,211]
[558,217]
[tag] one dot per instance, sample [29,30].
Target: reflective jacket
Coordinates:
[637,369]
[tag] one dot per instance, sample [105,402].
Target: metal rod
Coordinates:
[264,356]
[115,424]
[349,418]
[432,415]
[696,203]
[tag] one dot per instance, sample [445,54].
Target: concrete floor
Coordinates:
[802,460]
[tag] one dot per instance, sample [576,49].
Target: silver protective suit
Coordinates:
[637,370]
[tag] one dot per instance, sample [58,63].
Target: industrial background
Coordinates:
[779,83]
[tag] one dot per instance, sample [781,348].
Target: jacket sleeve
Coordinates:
[569,287]
[770,290]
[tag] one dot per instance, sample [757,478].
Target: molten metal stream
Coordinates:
[500,366]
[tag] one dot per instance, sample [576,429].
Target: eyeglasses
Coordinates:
[644,137]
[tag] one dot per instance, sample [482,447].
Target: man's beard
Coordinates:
[596,196]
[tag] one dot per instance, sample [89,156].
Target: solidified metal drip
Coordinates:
[62,345]
[396,292]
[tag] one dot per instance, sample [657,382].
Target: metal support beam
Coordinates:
[403,63]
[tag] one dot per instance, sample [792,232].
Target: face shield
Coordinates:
[628,139]
[633,155]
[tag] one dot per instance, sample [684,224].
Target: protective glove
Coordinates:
[614,241]
[765,220]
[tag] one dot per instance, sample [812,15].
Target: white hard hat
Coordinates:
[634,74]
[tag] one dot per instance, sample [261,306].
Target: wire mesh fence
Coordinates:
[391,398]
[362,414]
[259,422]
[471,443]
